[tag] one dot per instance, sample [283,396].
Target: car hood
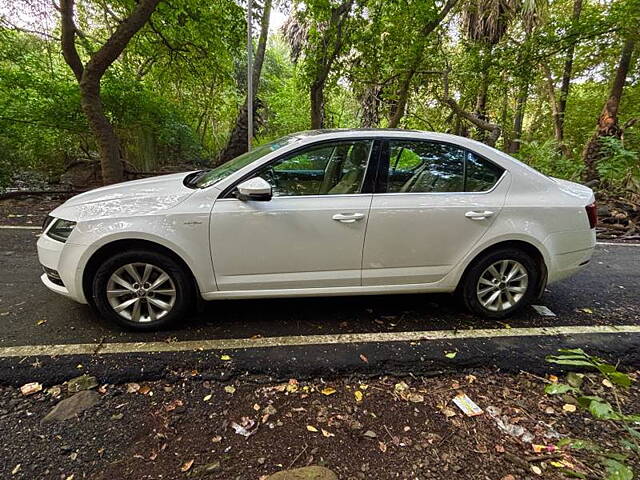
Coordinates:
[138,197]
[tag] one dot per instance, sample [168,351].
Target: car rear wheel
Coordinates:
[500,283]
[142,290]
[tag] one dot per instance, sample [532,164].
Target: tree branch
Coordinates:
[69,51]
[114,46]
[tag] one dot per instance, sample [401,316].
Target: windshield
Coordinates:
[213,176]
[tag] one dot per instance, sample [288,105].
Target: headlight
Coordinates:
[47,222]
[61,230]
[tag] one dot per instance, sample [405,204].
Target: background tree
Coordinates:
[90,74]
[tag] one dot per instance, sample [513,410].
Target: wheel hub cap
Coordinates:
[502,285]
[141,292]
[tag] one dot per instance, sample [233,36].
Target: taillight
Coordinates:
[592,214]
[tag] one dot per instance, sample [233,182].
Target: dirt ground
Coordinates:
[29,210]
[382,428]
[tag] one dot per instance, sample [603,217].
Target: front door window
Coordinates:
[328,169]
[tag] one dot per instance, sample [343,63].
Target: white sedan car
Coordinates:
[319,213]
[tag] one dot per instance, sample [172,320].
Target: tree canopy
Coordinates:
[556,83]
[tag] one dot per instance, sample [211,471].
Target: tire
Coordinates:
[478,287]
[166,294]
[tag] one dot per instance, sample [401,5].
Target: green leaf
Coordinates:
[572,473]
[577,444]
[575,379]
[620,378]
[576,362]
[603,410]
[559,388]
[617,470]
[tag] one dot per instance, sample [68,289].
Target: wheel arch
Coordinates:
[116,246]
[527,247]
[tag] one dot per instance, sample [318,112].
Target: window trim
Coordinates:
[369,178]
[384,163]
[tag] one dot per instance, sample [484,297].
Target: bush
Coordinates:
[545,156]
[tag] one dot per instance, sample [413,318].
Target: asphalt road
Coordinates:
[606,293]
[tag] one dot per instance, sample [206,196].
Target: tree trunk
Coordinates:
[567,71]
[111,164]
[399,106]
[521,105]
[553,103]
[90,75]
[607,125]
[317,104]
[238,140]
[480,110]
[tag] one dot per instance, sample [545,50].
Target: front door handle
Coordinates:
[473,215]
[348,217]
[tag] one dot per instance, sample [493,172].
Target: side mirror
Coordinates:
[256,189]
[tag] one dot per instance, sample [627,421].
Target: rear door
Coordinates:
[435,201]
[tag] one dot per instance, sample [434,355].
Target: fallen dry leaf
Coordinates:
[230,389]
[328,391]
[144,390]
[207,397]
[311,428]
[186,466]
[30,388]
[225,358]
[132,387]
[382,446]
[567,407]
[326,433]
[359,396]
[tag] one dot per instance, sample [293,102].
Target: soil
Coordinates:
[184,427]
[30,210]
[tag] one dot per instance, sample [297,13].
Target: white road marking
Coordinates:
[616,244]
[270,342]
[19,227]
[543,310]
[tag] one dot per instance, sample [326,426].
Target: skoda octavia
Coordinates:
[328,212]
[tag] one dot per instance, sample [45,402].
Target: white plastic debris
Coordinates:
[517,431]
[467,405]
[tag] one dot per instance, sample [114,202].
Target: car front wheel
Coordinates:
[500,283]
[142,290]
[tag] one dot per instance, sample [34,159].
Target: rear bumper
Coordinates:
[570,253]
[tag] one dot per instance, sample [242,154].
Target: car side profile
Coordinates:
[320,213]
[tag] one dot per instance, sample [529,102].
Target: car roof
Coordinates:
[309,136]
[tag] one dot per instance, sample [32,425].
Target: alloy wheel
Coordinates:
[141,292]
[502,285]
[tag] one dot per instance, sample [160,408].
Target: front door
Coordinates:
[438,201]
[309,235]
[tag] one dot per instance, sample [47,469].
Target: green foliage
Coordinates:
[613,463]
[619,166]
[175,92]
[545,156]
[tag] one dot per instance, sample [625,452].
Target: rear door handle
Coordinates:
[348,217]
[473,215]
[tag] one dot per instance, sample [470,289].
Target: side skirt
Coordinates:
[327,292]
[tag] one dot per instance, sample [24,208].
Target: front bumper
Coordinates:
[65,259]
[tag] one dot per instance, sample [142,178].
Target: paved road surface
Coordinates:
[31,315]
